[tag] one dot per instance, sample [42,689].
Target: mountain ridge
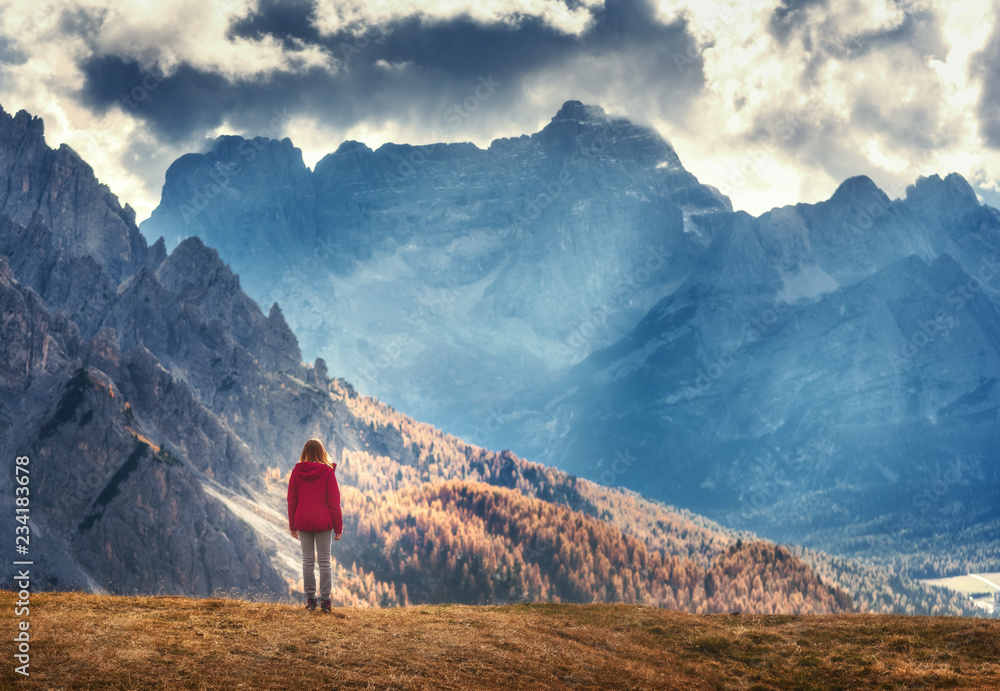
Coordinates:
[894,348]
[155,405]
[579,295]
[466,228]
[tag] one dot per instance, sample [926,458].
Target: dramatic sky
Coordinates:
[773,101]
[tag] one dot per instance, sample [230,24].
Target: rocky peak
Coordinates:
[351,146]
[197,276]
[243,183]
[954,190]
[204,176]
[350,154]
[192,269]
[580,130]
[233,147]
[858,190]
[579,112]
[280,346]
[157,254]
[572,120]
[276,321]
[83,215]
[942,202]
[855,212]
[320,374]
[23,122]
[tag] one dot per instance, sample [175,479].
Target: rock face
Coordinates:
[114,355]
[153,397]
[113,510]
[83,215]
[396,266]
[838,355]
[828,374]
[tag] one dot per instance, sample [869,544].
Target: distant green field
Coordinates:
[967,584]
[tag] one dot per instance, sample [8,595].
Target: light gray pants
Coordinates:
[313,545]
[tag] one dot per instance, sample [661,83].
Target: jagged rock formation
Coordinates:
[440,277]
[827,375]
[839,354]
[112,510]
[106,371]
[85,218]
[159,405]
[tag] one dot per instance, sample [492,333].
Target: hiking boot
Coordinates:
[311,604]
[326,605]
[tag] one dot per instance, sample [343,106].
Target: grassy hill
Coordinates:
[82,641]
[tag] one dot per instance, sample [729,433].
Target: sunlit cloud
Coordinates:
[368,15]
[773,102]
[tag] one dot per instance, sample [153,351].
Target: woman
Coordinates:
[313,512]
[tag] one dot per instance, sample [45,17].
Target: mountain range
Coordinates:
[803,365]
[824,373]
[446,278]
[161,411]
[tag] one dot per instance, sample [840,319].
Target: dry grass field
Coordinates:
[81,641]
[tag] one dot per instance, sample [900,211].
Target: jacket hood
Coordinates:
[312,471]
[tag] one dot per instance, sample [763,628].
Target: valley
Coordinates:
[167,407]
[822,374]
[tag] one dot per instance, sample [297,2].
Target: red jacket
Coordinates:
[314,499]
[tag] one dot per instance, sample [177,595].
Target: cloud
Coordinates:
[774,101]
[865,82]
[191,33]
[10,54]
[803,93]
[404,73]
[408,63]
[790,15]
[351,15]
[986,68]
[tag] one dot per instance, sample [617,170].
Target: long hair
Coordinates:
[313,452]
